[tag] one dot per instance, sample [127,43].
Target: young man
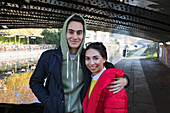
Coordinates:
[69,79]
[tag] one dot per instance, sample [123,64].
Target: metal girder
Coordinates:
[106,15]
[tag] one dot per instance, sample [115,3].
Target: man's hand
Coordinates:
[117,85]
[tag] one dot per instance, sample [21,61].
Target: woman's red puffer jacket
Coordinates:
[103,101]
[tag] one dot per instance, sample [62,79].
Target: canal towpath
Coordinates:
[149,91]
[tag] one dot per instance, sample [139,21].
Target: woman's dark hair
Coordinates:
[102,50]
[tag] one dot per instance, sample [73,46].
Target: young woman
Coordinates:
[98,99]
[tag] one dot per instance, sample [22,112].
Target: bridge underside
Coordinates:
[149,19]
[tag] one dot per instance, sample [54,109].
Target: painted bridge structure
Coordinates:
[149,19]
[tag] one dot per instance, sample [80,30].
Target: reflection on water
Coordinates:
[17,65]
[16,68]
[15,89]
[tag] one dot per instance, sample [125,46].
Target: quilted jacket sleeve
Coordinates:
[116,103]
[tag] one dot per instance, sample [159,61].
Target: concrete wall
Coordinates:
[164,54]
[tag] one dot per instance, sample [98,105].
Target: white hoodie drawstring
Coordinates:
[78,68]
[67,64]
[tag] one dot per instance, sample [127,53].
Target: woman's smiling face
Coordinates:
[94,61]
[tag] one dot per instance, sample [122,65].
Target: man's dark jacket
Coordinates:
[52,95]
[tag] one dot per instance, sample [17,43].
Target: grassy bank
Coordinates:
[131,52]
[150,53]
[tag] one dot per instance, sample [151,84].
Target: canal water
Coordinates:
[14,88]
[14,81]
[16,69]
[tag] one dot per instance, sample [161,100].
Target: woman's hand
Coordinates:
[117,85]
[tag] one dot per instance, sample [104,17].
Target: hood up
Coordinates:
[63,40]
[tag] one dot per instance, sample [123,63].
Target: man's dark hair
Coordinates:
[77,19]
